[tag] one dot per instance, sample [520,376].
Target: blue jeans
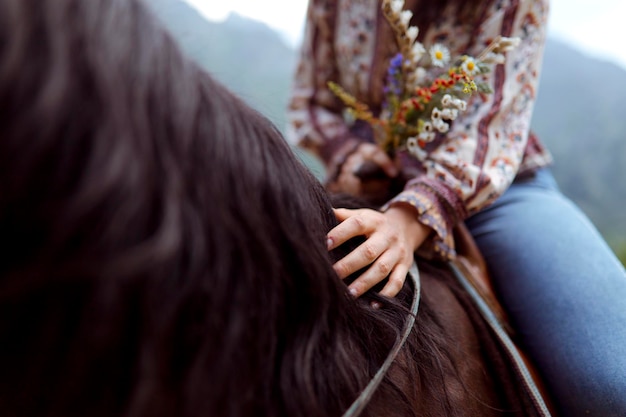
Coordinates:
[565,291]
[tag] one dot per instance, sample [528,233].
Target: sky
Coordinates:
[596,27]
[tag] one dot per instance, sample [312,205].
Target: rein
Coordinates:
[366,395]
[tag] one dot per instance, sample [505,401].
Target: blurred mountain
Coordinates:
[246,55]
[579,112]
[580,115]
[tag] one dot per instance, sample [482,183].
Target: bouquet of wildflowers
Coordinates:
[416,107]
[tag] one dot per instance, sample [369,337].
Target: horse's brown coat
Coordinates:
[479,380]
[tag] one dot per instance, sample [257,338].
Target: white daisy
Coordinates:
[417,51]
[426,136]
[460,104]
[507,44]
[420,75]
[413,147]
[441,126]
[439,55]
[396,6]
[449,114]
[448,101]
[411,144]
[470,66]
[405,17]
[411,33]
[493,58]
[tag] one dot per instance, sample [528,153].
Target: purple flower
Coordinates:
[394,76]
[396,62]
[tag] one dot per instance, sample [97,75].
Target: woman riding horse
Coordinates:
[163,250]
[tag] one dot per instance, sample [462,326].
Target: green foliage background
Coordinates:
[579,112]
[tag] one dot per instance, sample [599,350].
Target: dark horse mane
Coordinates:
[162,248]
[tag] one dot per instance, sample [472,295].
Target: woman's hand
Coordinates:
[348,180]
[392,237]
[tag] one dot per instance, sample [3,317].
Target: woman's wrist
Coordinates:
[415,231]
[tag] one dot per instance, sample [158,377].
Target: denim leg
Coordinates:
[565,292]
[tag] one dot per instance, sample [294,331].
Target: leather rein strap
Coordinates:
[366,395]
[527,380]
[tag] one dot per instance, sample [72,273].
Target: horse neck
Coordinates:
[369,336]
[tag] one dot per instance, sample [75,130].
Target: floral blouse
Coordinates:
[487,146]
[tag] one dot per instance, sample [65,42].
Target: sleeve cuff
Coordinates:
[437,207]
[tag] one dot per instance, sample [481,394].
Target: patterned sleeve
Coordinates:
[479,157]
[315,114]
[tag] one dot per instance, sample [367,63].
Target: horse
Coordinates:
[163,250]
